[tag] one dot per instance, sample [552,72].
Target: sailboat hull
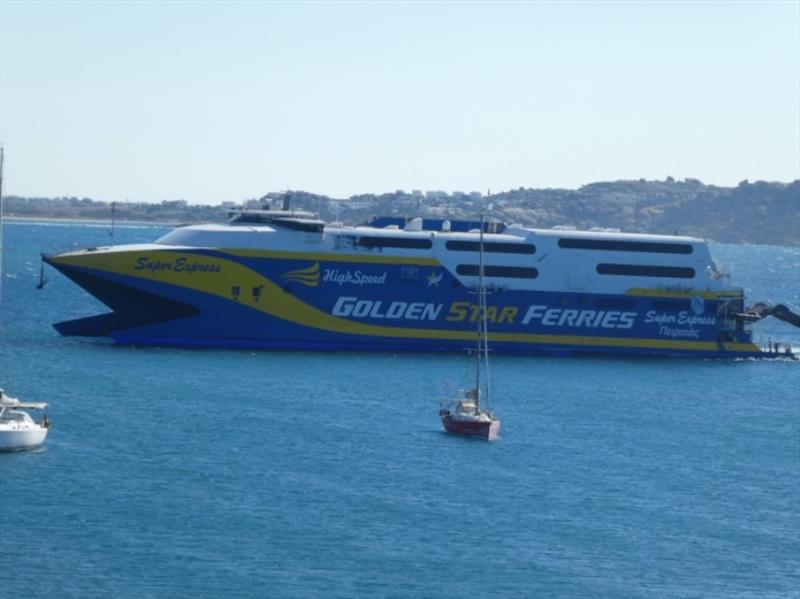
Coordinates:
[481,429]
[20,440]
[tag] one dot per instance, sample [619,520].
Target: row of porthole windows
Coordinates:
[526,248]
[417,243]
[628,270]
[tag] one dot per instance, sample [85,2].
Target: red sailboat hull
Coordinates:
[470,428]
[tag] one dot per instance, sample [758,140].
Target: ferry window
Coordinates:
[617,245]
[515,272]
[491,246]
[670,305]
[644,270]
[395,242]
[614,303]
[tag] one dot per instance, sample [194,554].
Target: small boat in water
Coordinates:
[465,416]
[18,431]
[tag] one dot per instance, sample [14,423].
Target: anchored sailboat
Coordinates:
[465,415]
[18,430]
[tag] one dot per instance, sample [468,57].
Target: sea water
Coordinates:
[192,473]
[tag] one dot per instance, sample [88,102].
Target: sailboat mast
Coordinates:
[485,322]
[481,321]
[2,159]
[113,219]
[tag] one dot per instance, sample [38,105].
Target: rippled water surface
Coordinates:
[175,473]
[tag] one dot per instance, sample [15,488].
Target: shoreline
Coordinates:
[94,221]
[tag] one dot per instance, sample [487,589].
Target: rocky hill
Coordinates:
[760,212]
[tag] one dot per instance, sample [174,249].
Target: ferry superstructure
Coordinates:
[280,279]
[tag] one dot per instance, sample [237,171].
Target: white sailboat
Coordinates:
[465,415]
[18,431]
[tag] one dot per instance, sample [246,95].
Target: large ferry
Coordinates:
[283,279]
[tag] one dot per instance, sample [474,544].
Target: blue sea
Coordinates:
[198,473]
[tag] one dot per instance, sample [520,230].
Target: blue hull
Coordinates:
[201,298]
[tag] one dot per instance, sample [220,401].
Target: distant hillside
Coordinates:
[760,212]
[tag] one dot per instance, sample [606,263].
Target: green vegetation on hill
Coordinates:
[760,212]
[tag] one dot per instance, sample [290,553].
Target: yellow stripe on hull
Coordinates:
[643,292]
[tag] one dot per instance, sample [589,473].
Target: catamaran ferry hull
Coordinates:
[269,299]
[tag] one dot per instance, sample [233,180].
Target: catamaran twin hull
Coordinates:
[367,295]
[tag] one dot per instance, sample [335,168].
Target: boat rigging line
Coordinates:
[42,280]
[779,311]
[113,219]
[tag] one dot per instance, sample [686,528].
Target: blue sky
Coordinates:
[211,101]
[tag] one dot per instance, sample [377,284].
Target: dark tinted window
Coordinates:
[491,246]
[643,270]
[625,246]
[517,272]
[670,305]
[395,242]
[614,303]
[307,226]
